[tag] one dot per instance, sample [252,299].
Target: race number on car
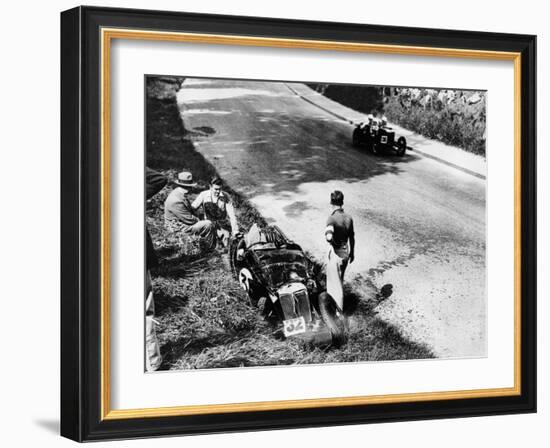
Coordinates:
[294,326]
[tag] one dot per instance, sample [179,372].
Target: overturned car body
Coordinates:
[278,278]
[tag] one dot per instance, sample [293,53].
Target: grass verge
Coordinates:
[204,319]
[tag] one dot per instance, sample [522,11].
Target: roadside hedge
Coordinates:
[454,117]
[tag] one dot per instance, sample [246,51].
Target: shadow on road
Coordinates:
[280,159]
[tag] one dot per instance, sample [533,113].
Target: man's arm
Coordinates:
[351,243]
[198,201]
[182,211]
[329,230]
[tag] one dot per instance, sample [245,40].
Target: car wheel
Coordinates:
[355,139]
[332,318]
[368,145]
[401,146]
[234,246]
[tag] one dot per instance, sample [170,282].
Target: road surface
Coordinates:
[420,225]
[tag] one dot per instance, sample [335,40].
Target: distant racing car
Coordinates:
[278,278]
[378,137]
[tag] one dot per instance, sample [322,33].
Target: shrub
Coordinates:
[456,122]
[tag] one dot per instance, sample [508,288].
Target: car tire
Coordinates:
[368,145]
[335,323]
[401,146]
[234,246]
[355,138]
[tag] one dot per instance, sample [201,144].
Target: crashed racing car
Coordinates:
[378,137]
[278,278]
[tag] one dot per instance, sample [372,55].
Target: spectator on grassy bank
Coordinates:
[179,215]
[216,207]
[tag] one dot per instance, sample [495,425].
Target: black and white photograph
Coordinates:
[275,223]
[306,223]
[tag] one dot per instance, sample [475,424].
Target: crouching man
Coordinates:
[216,209]
[179,214]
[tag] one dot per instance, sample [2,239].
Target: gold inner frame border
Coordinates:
[107,35]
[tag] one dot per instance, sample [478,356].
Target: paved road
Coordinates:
[420,225]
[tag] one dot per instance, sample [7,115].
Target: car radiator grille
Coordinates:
[295,305]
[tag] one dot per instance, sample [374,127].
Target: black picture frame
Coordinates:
[81,225]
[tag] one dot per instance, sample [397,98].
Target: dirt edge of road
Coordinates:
[204,320]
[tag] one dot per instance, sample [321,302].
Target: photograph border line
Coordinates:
[109,34]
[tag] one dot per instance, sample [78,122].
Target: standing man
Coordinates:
[338,233]
[216,208]
[179,214]
[154,182]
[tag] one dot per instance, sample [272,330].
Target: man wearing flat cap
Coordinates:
[179,214]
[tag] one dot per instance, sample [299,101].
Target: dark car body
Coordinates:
[277,275]
[378,138]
